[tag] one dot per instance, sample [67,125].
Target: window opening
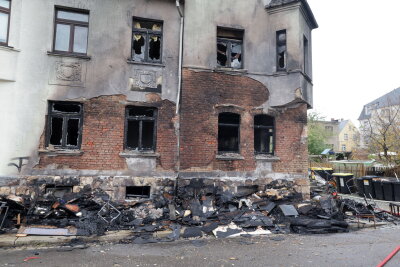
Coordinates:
[138,192]
[58,191]
[64,125]
[5,11]
[306,56]
[71,31]
[281,49]
[264,134]
[147,40]
[228,132]
[229,48]
[140,128]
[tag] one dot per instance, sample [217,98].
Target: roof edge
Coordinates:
[308,12]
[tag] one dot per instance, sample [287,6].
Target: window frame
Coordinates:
[229,125]
[8,12]
[229,42]
[147,33]
[273,127]
[65,116]
[72,24]
[141,119]
[278,44]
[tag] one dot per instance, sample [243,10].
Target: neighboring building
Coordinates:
[378,111]
[343,135]
[99,89]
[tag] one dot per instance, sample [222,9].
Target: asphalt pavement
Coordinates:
[359,248]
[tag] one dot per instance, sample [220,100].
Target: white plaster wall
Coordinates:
[260,27]
[23,101]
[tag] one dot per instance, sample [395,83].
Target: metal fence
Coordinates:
[359,170]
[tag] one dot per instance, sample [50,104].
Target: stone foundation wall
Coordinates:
[115,186]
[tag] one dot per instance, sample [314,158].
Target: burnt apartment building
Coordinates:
[132,95]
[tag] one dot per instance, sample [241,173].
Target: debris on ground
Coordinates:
[194,210]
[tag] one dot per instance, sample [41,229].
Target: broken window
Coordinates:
[71,31]
[264,134]
[64,125]
[5,8]
[228,132]
[229,48]
[137,192]
[58,191]
[306,56]
[281,50]
[146,40]
[140,128]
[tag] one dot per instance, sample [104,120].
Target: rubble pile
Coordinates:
[194,209]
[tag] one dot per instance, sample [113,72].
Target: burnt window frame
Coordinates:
[147,33]
[140,119]
[145,192]
[229,125]
[65,116]
[72,24]
[8,12]
[273,127]
[279,44]
[229,42]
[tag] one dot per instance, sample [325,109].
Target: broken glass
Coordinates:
[236,56]
[222,56]
[281,49]
[155,48]
[146,41]
[138,47]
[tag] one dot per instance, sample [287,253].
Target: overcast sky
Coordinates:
[356,54]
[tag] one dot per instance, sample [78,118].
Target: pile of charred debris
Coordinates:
[191,210]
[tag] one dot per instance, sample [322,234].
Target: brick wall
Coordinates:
[204,96]
[291,144]
[103,137]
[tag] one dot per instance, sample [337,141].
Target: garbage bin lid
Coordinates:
[342,174]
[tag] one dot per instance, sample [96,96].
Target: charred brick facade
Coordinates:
[245,96]
[103,137]
[291,141]
[204,96]
[208,59]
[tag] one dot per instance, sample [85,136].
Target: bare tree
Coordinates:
[382,130]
